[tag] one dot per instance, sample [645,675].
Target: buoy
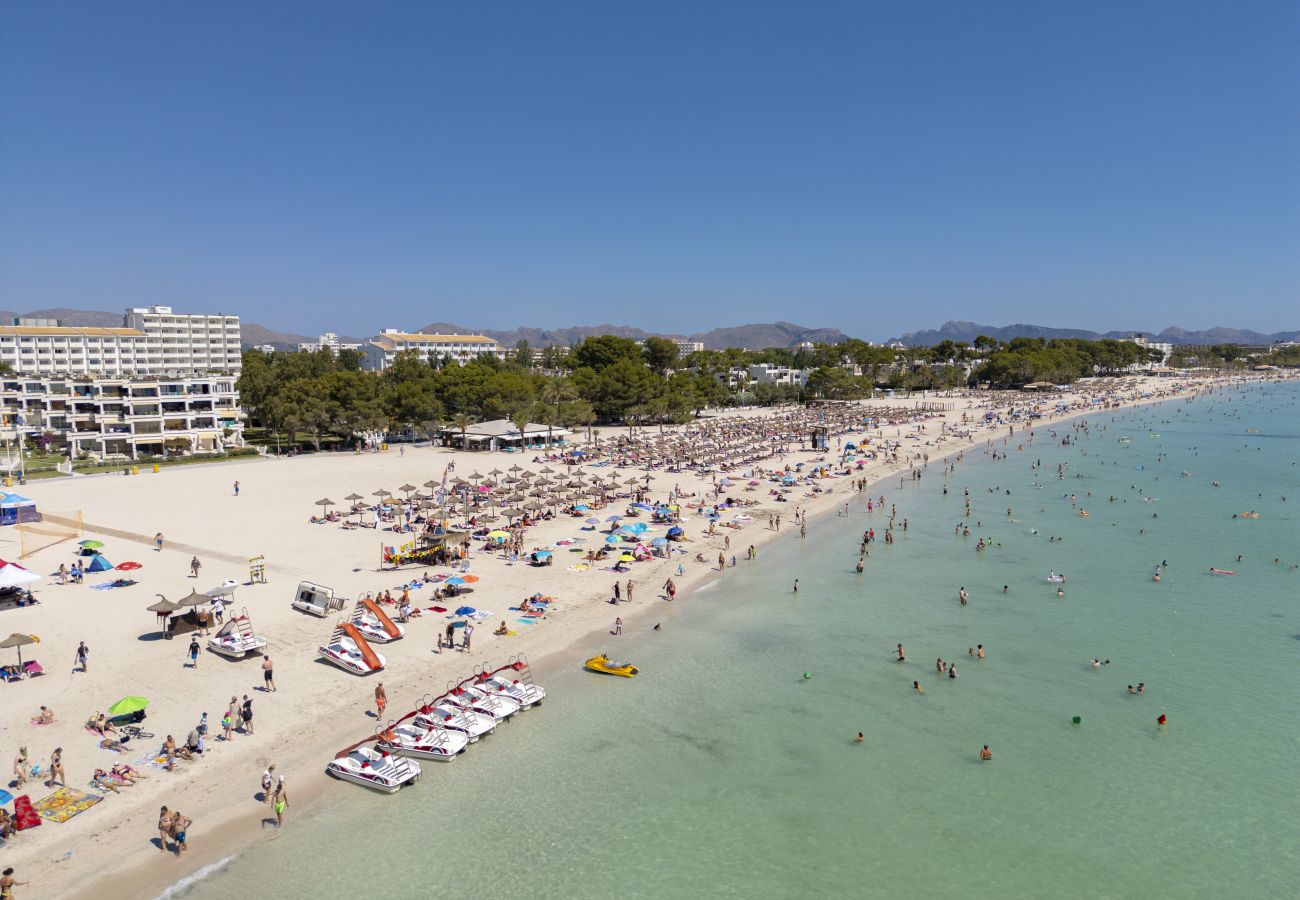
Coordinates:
[807,674]
[1077,719]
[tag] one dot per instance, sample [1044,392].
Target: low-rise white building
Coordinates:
[382,350]
[122,418]
[765,373]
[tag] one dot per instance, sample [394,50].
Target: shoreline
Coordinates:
[224,828]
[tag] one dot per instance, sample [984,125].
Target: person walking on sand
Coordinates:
[56,769]
[671,587]
[8,883]
[268,675]
[193,653]
[195,565]
[268,782]
[236,488]
[629,590]
[618,627]
[280,801]
[157,544]
[246,712]
[21,767]
[180,831]
[381,700]
[82,652]
[228,725]
[469,633]
[165,820]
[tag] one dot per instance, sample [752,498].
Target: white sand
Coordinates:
[318,708]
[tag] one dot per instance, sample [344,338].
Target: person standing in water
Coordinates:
[963,596]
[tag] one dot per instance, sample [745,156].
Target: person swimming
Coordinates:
[860,738]
[916,686]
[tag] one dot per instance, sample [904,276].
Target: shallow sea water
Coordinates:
[721,771]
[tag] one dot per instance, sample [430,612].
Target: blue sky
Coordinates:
[676,166]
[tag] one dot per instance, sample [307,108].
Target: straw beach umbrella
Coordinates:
[18,642]
[325,502]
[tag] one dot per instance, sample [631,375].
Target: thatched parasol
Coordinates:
[19,641]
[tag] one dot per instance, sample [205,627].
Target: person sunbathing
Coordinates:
[502,630]
[127,773]
[111,744]
[44,717]
[103,780]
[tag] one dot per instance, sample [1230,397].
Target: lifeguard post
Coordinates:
[820,437]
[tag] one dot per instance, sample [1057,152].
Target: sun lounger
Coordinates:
[33,667]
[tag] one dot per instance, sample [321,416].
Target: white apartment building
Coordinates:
[686,348]
[124,392]
[1165,350]
[328,339]
[178,342]
[152,341]
[763,373]
[123,418]
[382,350]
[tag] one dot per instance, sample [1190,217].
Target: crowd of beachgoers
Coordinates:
[530,546]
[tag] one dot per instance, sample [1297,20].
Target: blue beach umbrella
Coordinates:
[465,611]
[455,580]
[613,518]
[659,542]
[593,521]
[612,539]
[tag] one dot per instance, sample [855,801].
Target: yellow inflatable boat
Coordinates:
[606,666]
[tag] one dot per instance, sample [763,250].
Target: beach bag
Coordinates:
[24,816]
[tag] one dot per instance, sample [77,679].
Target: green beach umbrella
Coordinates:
[128,705]
[92,545]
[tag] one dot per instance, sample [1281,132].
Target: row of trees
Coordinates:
[615,379]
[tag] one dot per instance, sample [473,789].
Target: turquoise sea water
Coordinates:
[722,772]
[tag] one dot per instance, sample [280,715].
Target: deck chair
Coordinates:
[33,667]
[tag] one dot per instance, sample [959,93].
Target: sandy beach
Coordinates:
[318,708]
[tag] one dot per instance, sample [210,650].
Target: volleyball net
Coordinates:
[52,528]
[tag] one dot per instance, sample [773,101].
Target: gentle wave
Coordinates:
[179,888]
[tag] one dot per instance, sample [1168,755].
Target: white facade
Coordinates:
[686,348]
[123,418]
[382,350]
[1165,350]
[151,342]
[179,342]
[763,373]
[328,339]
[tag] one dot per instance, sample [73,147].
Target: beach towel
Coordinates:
[24,816]
[527,621]
[64,803]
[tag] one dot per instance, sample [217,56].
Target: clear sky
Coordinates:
[876,167]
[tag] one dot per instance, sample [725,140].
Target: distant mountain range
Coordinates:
[758,336]
[753,337]
[968,331]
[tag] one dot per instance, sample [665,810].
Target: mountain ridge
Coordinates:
[968,331]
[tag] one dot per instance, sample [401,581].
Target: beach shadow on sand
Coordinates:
[151,637]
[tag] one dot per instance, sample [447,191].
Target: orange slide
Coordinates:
[384,622]
[366,653]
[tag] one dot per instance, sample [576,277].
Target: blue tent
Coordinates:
[99,564]
[15,508]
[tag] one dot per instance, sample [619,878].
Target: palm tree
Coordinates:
[461,422]
[520,421]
